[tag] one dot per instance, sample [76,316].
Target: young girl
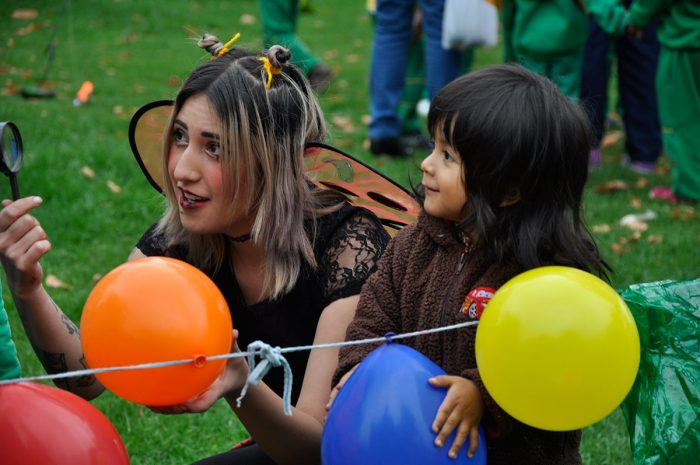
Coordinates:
[290,259]
[503,191]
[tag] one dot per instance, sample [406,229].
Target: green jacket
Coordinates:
[679,26]
[9,365]
[543,29]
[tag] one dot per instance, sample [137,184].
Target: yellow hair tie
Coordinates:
[270,70]
[224,49]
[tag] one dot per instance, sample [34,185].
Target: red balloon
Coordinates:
[156,309]
[45,425]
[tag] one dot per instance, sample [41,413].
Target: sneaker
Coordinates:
[663,193]
[391,146]
[639,167]
[415,140]
[320,77]
[595,160]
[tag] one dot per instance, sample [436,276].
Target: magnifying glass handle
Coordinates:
[15,187]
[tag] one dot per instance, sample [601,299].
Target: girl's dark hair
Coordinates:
[524,148]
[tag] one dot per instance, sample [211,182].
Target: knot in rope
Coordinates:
[269,357]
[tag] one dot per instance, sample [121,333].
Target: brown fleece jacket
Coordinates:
[420,284]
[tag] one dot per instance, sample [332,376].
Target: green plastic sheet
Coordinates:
[661,410]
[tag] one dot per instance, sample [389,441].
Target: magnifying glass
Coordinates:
[11,154]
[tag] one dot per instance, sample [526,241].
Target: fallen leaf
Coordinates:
[641,183]
[611,138]
[29,28]
[683,212]
[248,19]
[96,278]
[118,110]
[365,144]
[174,81]
[10,42]
[366,119]
[601,228]
[330,54]
[352,58]
[10,88]
[114,187]
[53,282]
[343,143]
[635,202]
[344,123]
[619,249]
[634,237]
[88,172]
[655,239]
[636,225]
[24,13]
[616,185]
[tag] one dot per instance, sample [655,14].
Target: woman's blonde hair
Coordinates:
[264,131]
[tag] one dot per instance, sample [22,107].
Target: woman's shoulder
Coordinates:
[154,242]
[346,220]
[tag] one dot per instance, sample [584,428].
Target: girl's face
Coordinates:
[445,192]
[195,171]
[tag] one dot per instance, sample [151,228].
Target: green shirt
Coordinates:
[9,364]
[543,29]
[679,26]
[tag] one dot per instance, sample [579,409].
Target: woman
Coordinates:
[289,258]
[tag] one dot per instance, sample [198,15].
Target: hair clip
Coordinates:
[270,70]
[223,50]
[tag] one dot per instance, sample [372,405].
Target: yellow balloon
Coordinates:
[557,348]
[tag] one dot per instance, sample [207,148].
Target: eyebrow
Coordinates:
[208,134]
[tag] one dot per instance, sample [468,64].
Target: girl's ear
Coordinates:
[510,199]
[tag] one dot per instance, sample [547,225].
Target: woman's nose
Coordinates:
[185,167]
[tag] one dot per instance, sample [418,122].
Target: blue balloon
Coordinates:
[383,414]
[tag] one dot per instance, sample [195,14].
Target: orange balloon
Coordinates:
[156,309]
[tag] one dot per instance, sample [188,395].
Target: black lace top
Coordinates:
[347,246]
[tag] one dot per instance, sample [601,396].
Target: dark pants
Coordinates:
[637,61]
[249,455]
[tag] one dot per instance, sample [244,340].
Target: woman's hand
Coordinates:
[22,244]
[229,383]
[462,408]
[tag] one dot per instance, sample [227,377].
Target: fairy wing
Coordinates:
[326,166]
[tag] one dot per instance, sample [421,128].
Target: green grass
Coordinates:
[139,51]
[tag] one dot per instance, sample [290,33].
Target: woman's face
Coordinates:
[195,171]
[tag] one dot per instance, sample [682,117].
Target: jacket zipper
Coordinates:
[446,301]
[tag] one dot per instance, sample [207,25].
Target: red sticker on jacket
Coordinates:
[476,300]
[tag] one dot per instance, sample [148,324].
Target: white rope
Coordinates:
[271,357]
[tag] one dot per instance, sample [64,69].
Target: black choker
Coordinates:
[242,238]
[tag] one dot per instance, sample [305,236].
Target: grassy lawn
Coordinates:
[97,203]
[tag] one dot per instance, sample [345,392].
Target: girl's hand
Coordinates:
[22,244]
[462,408]
[229,383]
[339,386]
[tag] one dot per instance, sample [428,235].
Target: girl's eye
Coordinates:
[447,156]
[213,150]
[179,137]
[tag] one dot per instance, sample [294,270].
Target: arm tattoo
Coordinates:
[70,326]
[53,363]
[85,380]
